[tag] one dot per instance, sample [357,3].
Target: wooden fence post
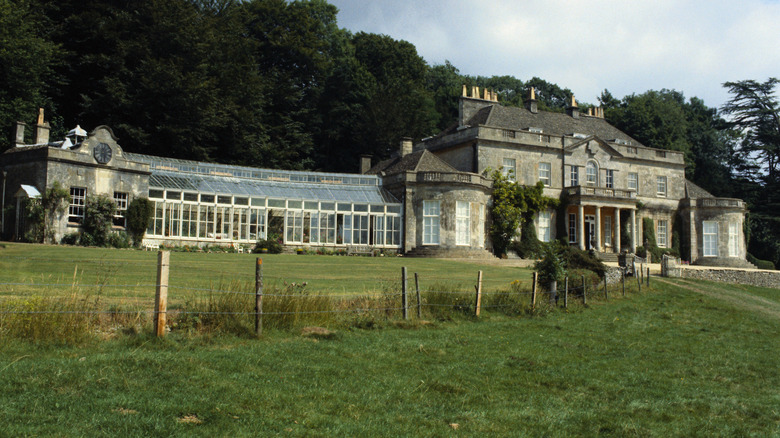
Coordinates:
[533,293]
[584,292]
[606,293]
[259,297]
[478,303]
[623,280]
[553,291]
[404,302]
[161,297]
[419,303]
[648,276]
[638,280]
[566,293]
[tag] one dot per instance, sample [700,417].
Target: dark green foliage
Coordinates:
[139,213]
[272,245]
[98,215]
[575,258]
[551,267]
[71,239]
[119,240]
[648,233]
[42,213]
[680,240]
[760,264]
[529,246]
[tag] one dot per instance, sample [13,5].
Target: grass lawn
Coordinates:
[131,274]
[668,362]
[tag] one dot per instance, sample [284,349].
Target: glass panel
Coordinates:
[192,197]
[311,205]
[276,203]
[209,199]
[294,204]
[224,199]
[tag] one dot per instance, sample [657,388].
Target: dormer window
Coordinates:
[622,142]
[536,130]
[579,135]
[592,173]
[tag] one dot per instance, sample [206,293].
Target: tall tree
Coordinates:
[27,61]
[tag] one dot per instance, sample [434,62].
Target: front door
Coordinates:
[590,231]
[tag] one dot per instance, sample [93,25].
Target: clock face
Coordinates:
[102,153]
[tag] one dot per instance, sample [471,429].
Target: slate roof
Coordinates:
[693,191]
[516,118]
[420,161]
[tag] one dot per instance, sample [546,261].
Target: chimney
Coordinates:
[530,104]
[465,92]
[573,110]
[20,134]
[365,164]
[41,129]
[406,146]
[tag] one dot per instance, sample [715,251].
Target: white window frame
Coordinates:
[607,231]
[633,181]
[543,220]
[609,180]
[431,222]
[662,233]
[733,239]
[545,173]
[120,199]
[592,173]
[78,199]
[509,168]
[574,176]
[709,231]
[462,223]
[572,228]
[660,183]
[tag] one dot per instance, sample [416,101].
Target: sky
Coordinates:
[624,46]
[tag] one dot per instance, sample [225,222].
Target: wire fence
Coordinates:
[235,305]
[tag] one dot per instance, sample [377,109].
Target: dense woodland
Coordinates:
[273,83]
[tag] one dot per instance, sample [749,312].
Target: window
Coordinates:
[294,226]
[462,223]
[661,185]
[431,222]
[120,199]
[660,154]
[543,230]
[510,169]
[189,220]
[481,226]
[574,176]
[393,232]
[733,239]
[545,172]
[710,232]
[592,173]
[78,196]
[607,231]
[508,133]
[360,229]
[610,178]
[661,232]
[633,180]
[572,228]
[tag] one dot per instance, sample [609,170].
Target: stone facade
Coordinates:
[607,181]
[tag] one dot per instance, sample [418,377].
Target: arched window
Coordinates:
[592,173]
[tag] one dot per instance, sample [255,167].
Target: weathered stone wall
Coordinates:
[753,277]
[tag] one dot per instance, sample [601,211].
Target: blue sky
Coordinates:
[624,46]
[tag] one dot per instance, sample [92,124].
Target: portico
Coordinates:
[595,221]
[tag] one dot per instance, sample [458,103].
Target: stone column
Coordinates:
[598,229]
[616,218]
[581,226]
[633,230]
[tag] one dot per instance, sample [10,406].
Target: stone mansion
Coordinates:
[430,199]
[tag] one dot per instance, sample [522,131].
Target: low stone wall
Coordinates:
[753,277]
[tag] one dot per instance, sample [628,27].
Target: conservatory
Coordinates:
[198,203]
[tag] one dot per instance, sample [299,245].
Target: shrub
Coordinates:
[119,240]
[71,239]
[139,213]
[760,264]
[98,217]
[648,233]
[272,245]
[551,267]
[529,246]
[576,258]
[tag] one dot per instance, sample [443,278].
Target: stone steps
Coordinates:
[607,257]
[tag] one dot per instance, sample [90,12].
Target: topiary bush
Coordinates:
[272,245]
[529,246]
[760,264]
[98,217]
[139,213]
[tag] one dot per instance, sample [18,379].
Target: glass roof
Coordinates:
[172,180]
[196,167]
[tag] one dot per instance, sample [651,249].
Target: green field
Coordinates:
[682,359]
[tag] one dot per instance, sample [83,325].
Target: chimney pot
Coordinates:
[406,146]
[573,110]
[20,134]
[465,93]
[531,103]
[42,129]
[365,164]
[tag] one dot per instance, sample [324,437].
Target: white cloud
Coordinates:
[625,46]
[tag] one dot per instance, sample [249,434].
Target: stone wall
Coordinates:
[753,277]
